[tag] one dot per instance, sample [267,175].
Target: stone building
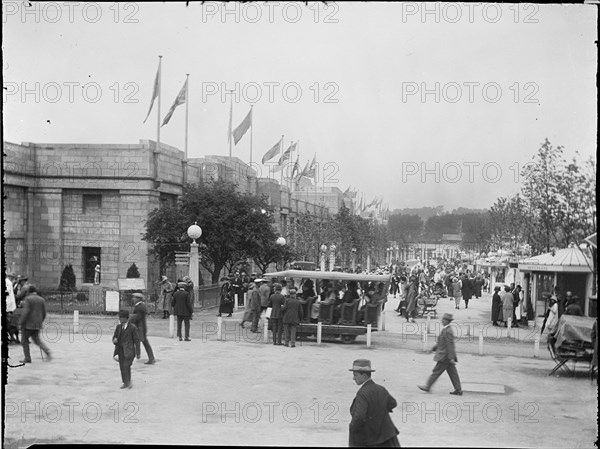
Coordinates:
[85,204]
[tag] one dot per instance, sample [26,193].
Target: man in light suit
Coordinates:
[127,342]
[445,356]
[371,424]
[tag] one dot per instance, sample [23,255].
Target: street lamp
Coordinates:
[194,232]
[323,251]
[281,242]
[331,257]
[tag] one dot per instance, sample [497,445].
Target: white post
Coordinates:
[319,332]
[219,328]
[481,341]
[369,335]
[428,322]
[236,301]
[536,345]
[171,326]
[266,331]
[509,326]
[379,319]
[75,321]
[424,338]
[383,320]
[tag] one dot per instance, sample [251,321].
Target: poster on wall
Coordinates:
[112,301]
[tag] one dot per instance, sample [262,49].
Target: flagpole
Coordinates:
[187,104]
[229,91]
[295,183]
[159,92]
[289,180]
[251,131]
[280,153]
[281,159]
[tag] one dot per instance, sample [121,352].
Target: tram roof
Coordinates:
[332,275]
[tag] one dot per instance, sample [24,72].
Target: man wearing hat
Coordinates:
[139,319]
[183,308]
[31,320]
[127,341]
[445,356]
[371,424]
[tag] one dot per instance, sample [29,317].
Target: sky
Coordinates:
[423,104]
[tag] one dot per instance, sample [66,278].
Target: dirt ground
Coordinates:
[241,391]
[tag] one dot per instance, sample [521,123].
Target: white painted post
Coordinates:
[219,328]
[75,321]
[383,320]
[509,326]
[379,324]
[536,345]
[171,326]
[319,332]
[480,341]
[424,338]
[428,322]
[236,302]
[368,335]
[266,331]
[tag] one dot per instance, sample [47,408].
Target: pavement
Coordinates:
[239,390]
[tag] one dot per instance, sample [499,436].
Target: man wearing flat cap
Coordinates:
[445,356]
[371,424]
[139,319]
[127,341]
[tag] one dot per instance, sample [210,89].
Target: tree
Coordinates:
[67,279]
[405,228]
[133,272]
[233,225]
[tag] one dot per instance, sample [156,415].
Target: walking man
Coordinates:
[139,319]
[445,356]
[32,318]
[182,307]
[292,316]
[371,424]
[127,346]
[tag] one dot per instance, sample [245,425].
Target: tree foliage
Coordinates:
[133,272]
[67,279]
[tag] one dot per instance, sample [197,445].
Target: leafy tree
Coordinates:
[233,225]
[133,271]
[405,228]
[67,279]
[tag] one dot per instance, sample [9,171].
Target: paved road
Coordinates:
[243,392]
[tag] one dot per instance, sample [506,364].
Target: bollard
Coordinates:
[171,326]
[266,331]
[424,338]
[379,320]
[236,301]
[319,332]
[509,327]
[369,335]
[75,321]
[219,328]
[480,341]
[383,320]
[536,345]
[428,322]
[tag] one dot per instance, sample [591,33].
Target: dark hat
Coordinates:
[123,313]
[448,316]
[362,365]
[497,289]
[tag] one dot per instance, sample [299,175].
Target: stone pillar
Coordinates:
[194,269]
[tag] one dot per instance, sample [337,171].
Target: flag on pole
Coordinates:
[230,125]
[154,92]
[286,156]
[181,99]
[312,169]
[239,132]
[305,169]
[296,167]
[347,192]
[272,152]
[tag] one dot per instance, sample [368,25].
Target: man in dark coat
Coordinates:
[276,301]
[496,307]
[371,424]
[32,317]
[467,290]
[292,316]
[238,288]
[139,319]
[127,341]
[182,307]
[445,356]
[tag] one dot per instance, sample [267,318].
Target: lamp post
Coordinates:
[323,251]
[354,260]
[331,257]
[281,242]
[194,232]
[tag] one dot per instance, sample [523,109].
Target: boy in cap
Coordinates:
[445,356]
[371,424]
[127,342]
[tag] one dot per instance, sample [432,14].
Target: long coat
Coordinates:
[507,305]
[496,307]
[164,300]
[128,342]
[34,312]
[444,349]
[371,423]
[139,319]
[292,311]
[182,304]
[467,288]
[276,301]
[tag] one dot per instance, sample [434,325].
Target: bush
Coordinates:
[81,297]
[133,272]
[67,279]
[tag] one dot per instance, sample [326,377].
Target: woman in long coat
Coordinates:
[456,291]
[507,304]
[496,307]
[226,303]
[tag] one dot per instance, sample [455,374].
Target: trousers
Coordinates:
[277,325]
[290,333]
[35,335]
[180,319]
[439,368]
